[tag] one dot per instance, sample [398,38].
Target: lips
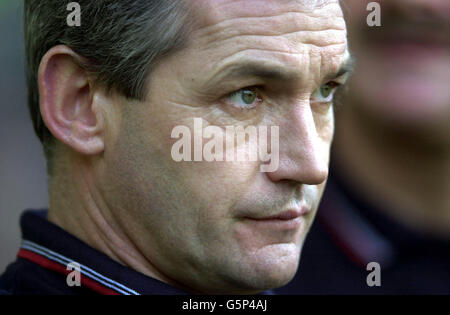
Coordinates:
[289,220]
[287,215]
[284,216]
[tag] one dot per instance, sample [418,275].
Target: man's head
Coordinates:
[403,65]
[117,43]
[212,227]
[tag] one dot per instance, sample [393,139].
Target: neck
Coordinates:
[77,206]
[405,175]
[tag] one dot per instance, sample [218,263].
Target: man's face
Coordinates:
[200,223]
[403,65]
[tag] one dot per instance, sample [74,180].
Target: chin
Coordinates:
[271,267]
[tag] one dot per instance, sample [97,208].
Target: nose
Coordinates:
[303,155]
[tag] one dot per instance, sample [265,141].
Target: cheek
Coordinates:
[324,122]
[326,134]
[219,184]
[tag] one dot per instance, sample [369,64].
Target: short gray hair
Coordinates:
[119,39]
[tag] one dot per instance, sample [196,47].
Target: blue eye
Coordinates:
[325,92]
[244,98]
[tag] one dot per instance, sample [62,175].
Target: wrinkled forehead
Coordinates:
[211,12]
[304,39]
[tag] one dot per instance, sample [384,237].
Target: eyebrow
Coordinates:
[257,69]
[346,67]
[278,72]
[263,71]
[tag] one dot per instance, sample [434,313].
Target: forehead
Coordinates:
[214,11]
[303,35]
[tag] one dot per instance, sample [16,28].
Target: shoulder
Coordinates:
[23,277]
[9,278]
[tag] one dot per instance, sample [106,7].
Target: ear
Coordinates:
[67,103]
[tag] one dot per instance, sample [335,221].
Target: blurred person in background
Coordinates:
[387,198]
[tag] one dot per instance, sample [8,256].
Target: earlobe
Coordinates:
[67,103]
